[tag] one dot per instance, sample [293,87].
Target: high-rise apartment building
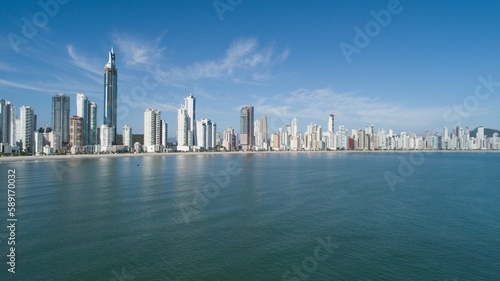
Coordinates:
[206,133]
[331,123]
[76,131]
[190,106]
[93,135]
[182,127]
[246,127]
[7,123]
[111,94]
[127,136]
[60,116]
[164,133]
[152,127]
[263,130]
[83,110]
[294,126]
[106,135]
[26,128]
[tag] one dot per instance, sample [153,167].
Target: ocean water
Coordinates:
[276,216]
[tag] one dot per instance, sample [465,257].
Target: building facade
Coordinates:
[60,116]
[111,94]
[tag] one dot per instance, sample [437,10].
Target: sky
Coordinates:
[403,65]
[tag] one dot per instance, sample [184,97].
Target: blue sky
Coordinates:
[419,71]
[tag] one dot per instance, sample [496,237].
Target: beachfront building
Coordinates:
[76,133]
[152,130]
[127,137]
[111,96]
[60,116]
[247,139]
[27,128]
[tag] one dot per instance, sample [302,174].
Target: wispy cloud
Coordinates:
[350,109]
[137,51]
[81,61]
[6,67]
[26,86]
[242,56]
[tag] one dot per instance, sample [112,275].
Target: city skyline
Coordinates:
[390,82]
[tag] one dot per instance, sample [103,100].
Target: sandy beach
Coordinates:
[44,158]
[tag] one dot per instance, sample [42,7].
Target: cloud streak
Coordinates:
[350,109]
[25,86]
[81,61]
[139,52]
[242,56]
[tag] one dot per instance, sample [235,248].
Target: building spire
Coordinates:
[111,60]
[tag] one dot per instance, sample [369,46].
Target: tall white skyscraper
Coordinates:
[190,106]
[206,133]
[480,137]
[26,127]
[182,127]
[83,110]
[264,131]
[127,136]
[294,127]
[152,127]
[201,134]
[257,134]
[331,123]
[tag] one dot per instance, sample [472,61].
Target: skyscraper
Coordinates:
[331,123]
[76,133]
[27,131]
[190,106]
[7,122]
[263,131]
[93,136]
[206,133]
[111,94]
[106,136]
[83,110]
[152,127]
[182,127]
[294,127]
[246,127]
[127,136]
[60,116]
[164,133]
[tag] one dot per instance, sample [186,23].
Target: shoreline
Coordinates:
[44,158]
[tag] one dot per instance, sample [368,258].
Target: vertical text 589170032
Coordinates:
[11,220]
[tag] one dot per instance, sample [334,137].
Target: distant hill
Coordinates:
[135,138]
[487,132]
[139,138]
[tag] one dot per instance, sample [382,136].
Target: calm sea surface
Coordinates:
[284,216]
